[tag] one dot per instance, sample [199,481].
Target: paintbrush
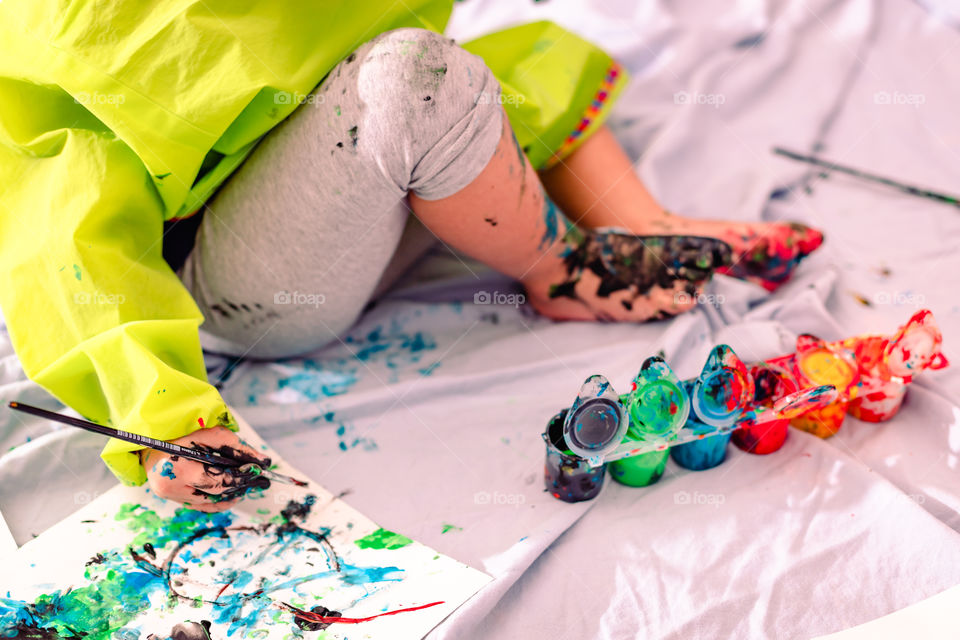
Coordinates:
[171,448]
[872,177]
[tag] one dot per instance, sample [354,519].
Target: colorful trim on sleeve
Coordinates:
[595,115]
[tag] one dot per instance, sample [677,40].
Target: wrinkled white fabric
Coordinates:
[816,537]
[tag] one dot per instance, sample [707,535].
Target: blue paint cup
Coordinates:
[701,454]
[566,476]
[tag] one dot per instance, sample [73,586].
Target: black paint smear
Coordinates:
[491,221]
[149,550]
[298,510]
[87,521]
[235,482]
[625,262]
[223,312]
[321,611]
[427,99]
[97,559]
[353,135]
[24,632]
[282,533]
[191,631]
[351,58]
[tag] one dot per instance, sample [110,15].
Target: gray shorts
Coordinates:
[316,223]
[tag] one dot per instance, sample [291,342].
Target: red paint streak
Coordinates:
[220,593]
[313,617]
[673,409]
[200,420]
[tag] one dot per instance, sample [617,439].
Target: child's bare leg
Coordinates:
[504,219]
[597,187]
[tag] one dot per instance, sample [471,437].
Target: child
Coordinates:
[268,171]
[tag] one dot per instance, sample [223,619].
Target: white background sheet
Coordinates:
[435,428]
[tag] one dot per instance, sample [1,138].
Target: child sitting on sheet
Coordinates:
[268,175]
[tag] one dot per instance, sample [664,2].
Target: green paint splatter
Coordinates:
[383,539]
[337,109]
[450,527]
[160,531]
[76,272]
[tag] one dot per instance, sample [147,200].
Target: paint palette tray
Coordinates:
[694,420]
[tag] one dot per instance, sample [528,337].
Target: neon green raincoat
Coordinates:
[116,116]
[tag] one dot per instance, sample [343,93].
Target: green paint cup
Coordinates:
[641,470]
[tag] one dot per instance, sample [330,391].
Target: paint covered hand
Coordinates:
[201,486]
[767,254]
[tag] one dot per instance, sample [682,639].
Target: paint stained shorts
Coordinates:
[316,223]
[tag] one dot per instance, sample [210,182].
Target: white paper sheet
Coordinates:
[131,565]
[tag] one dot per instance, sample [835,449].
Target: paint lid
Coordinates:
[595,423]
[658,406]
[915,346]
[723,390]
[820,363]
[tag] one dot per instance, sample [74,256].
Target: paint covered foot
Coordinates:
[765,253]
[617,276]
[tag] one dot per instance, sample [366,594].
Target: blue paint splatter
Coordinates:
[167,471]
[550,217]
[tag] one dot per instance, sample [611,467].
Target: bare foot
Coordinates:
[765,253]
[617,276]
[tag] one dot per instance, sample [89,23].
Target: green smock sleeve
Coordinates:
[557,87]
[95,314]
[116,116]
